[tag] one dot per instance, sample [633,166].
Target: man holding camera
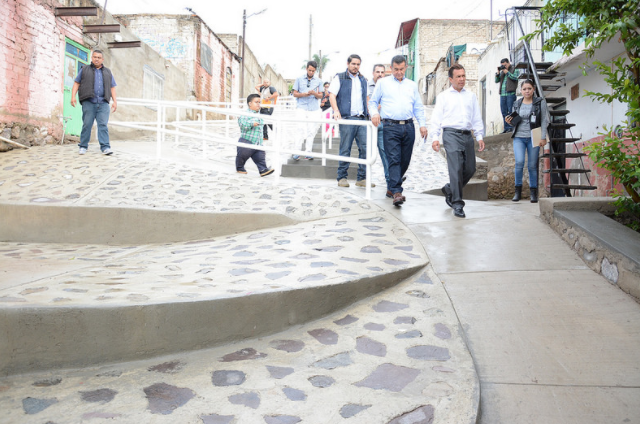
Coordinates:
[508,80]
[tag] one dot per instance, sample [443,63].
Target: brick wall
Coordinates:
[31,53]
[436,35]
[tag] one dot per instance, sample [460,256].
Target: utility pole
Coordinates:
[490,20]
[244,25]
[320,64]
[310,30]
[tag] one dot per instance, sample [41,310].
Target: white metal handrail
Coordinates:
[231,110]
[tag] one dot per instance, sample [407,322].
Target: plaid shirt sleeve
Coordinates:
[250,132]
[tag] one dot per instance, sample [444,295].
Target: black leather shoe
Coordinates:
[459,212]
[398,199]
[447,197]
[389,194]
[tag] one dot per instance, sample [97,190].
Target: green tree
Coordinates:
[601,22]
[322,64]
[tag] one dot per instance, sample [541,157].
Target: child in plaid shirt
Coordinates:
[251,133]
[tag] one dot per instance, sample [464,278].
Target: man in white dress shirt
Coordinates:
[457,114]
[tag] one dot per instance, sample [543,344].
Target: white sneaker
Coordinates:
[343,183]
[82,151]
[107,151]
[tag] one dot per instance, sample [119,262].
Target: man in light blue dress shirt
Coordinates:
[308,91]
[399,102]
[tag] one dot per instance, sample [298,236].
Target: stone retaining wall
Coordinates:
[605,246]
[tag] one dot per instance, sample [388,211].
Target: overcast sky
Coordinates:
[280,35]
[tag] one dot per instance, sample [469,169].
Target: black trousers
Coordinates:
[244,153]
[266,111]
[461,161]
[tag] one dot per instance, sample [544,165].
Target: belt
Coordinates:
[356,117]
[455,130]
[403,122]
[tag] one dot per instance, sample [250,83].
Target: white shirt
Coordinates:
[456,109]
[399,100]
[356,93]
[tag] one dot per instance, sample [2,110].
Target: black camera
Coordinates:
[501,67]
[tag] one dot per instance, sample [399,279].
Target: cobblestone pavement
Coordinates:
[396,357]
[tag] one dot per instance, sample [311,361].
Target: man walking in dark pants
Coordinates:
[400,102]
[348,96]
[97,87]
[455,115]
[507,78]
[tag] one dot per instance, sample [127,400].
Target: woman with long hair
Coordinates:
[529,112]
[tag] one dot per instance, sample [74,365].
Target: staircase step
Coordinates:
[564,140]
[566,171]
[565,155]
[561,125]
[555,100]
[563,112]
[538,65]
[551,87]
[572,187]
[542,76]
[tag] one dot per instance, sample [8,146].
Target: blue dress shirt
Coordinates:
[400,100]
[304,85]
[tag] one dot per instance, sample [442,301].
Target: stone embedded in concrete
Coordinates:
[609,270]
[370,347]
[336,361]
[395,262]
[33,290]
[429,353]
[100,395]
[351,409]
[387,306]
[357,260]
[321,381]
[423,415]
[349,319]
[249,399]
[279,372]
[324,336]
[321,264]
[47,382]
[370,249]
[33,405]
[217,419]
[389,377]
[373,326]
[10,299]
[228,378]
[245,354]
[418,293]
[171,367]
[294,394]
[287,345]
[442,331]
[409,334]
[281,419]
[404,320]
[164,398]
[312,277]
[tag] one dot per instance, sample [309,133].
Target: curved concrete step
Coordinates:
[90,304]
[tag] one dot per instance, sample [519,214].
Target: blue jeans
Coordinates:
[348,133]
[98,112]
[383,155]
[506,104]
[398,146]
[520,145]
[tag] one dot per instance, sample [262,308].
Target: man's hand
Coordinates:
[375,120]
[73,101]
[255,124]
[505,70]
[480,145]
[114,106]
[435,145]
[423,132]
[336,115]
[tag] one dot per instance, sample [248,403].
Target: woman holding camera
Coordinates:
[529,113]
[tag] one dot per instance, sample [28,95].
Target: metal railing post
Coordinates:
[158,131]
[371,131]
[204,129]
[177,136]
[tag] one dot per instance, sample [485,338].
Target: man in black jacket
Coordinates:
[507,78]
[96,87]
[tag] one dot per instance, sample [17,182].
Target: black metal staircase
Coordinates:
[546,83]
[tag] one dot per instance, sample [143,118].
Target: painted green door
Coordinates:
[75,57]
